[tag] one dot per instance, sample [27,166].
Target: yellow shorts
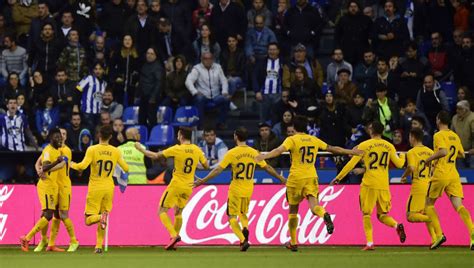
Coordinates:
[174,196]
[48,196]
[416,203]
[370,197]
[299,191]
[450,187]
[99,200]
[237,205]
[65,193]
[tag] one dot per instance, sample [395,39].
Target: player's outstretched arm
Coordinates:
[270,170]
[216,171]
[340,150]
[347,168]
[442,152]
[398,161]
[274,153]
[48,166]
[147,153]
[85,162]
[408,171]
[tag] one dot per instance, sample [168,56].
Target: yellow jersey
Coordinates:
[303,150]
[63,173]
[102,158]
[50,154]
[445,167]
[378,154]
[186,158]
[242,160]
[421,177]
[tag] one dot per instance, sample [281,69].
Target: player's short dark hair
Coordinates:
[301,123]
[106,132]
[444,117]
[417,133]
[377,127]
[54,131]
[241,133]
[420,119]
[186,132]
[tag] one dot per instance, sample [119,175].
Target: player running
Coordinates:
[447,147]
[47,186]
[303,180]
[64,202]
[102,158]
[242,160]
[186,158]
[374,189]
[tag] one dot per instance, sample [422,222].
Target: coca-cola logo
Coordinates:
[205,219]
[4,195]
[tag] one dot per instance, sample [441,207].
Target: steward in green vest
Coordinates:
[134,159]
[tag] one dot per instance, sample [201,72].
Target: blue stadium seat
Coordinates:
[450,90]
[186,116]
[164,115]
[161,135]
[250,142]
[130,115]
[143,130]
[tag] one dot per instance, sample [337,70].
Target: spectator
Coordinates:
[364,74]
[281,106]
[353,32]
[150,88]
[67,21]
[461,15]
[228,18]
[304,24]
[313,68]
[113,17]
[440,15]
[180,18]
[259,9]
[119,135]
[13,86]
[105,120]
[337,63]
[39,88]
[44,17]
[85,140]
[213,147]
[408,113]
[202,13]
[345,89]
[3,31]
[73,131]
[266,81]
[303,92]
[369,12]
[387,77]
[98,52]
[280,128]
[313,128]
[390,32]
[438,57]
[463,71]
[23,106]
[14,127]
[47,118]
[464,94]
[14,59]
[419,122]
[134,158]
[257,40]
[205,44]
[156,12]
[266,142]
[411,71]
[109,105]
[22,14]
[45,51]
[353,117]
[233,64]
[463,125]
[431,99]
[141,27]
[279,25]
[176,93]
[84,18]
[124,71]
[384,109]
[62,91]
[91,89]
[399,142]
[332,121]
[456,48]
[169,41]
[73,57]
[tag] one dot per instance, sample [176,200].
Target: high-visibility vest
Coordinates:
[135,161]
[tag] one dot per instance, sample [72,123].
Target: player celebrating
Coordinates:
[447,147]
[303,179]
[47,187]
[64,197]
[186,158]
[242,160]
[102,158]
[420,173]
[374,190]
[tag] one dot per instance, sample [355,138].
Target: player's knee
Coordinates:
[380,216]
[48,214]
[410,217]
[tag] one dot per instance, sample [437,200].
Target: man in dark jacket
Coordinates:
[387,77]
[180,18]
[168,41]
[463,70]
[267,141]
[412,71]
[438,57]
[37,23]
[431,99]
[45,52]
[228,18]
[365,73]
[141,27]
[150,88]
[62,91]
[113,18]
[233,64]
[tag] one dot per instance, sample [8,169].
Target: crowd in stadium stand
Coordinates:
[80,63]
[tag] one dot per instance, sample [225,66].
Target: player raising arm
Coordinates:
[241,158]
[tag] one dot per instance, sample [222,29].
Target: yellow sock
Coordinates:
[100,237]
[466,218]
[368,229]
[92,219]
[292,225]
[40,224]
[319,211]
[70,230]
[431,231]
[387,220]
[44,233]
[178,221]
[167,223]
[234,225]
[418,217]
[244,221]
[431,212]
[54,232]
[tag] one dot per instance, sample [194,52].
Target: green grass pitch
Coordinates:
[230,257]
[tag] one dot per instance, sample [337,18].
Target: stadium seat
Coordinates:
[143,130]
[130,115]
[164,115]
[186,116]
[161,135]
[250,142]
[450,90]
